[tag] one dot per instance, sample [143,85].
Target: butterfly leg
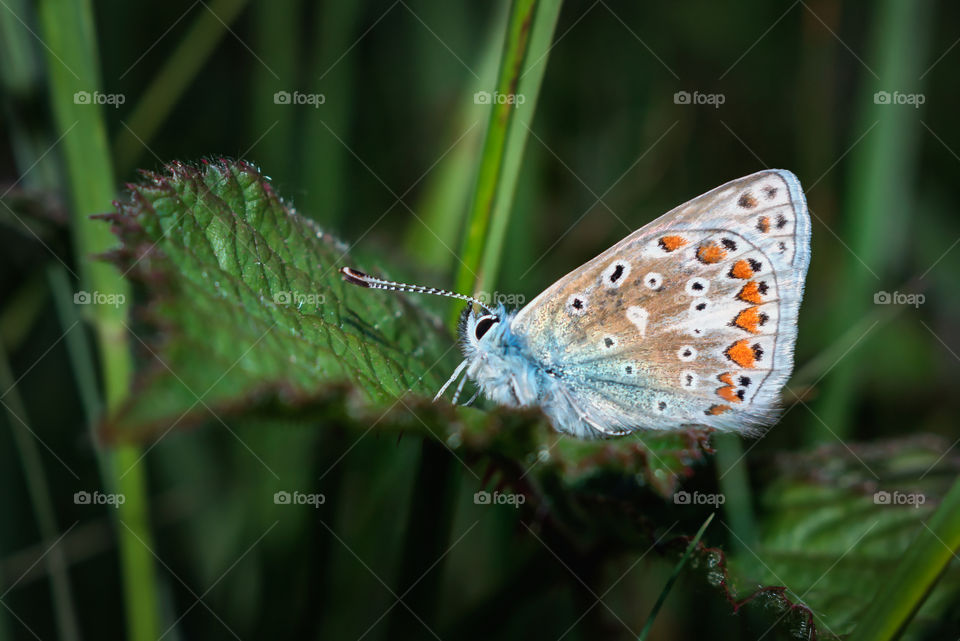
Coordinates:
[472,398]
[456,395]
[452,378]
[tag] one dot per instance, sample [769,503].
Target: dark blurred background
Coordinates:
[858,99]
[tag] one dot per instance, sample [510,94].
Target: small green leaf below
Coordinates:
[837,520]
[246,313]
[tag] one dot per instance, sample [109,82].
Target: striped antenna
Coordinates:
[356,277]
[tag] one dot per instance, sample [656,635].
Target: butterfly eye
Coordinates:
[484,325]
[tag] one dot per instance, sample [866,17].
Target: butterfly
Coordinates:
[688,321]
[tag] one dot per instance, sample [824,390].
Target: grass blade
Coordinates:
[879,195]
[209,26]
[446,200]
[528,86]
[530,21]
[68,30]
[63,602]
[81,355]
[673,577]
[734,482]
[917,572]
[320,155]
[273,126]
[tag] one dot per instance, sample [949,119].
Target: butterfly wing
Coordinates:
[690,320]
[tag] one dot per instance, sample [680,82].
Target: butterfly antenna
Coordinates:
[356,277]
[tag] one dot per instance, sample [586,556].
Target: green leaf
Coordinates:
[252,305]
[916,574]
[832,545]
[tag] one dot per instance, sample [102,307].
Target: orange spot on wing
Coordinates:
[729,391]
[751,293]
[716,410]
[749,319]
[672,243]
[741,269]
[741,353]
[710,253]
[763,224]
[728,394]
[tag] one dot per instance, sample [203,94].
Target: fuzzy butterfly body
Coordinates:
[690,320]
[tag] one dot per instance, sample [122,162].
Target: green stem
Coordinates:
[735,486]
[209,26]
[503,143]
[673,577]
[39,490]
[528,86]
[924,562]
[427,537]
[879,197]
[73,65]
[22,88]
[319,155]
[446,196]
[78,348]
[277,31]
[22,308]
